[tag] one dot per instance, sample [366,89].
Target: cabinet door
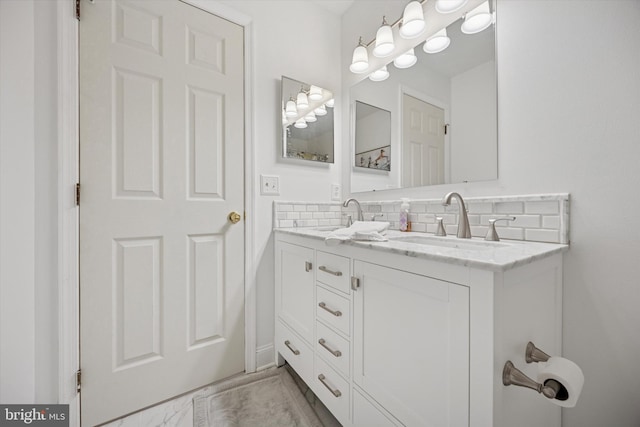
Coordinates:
[411,345]
[294,288]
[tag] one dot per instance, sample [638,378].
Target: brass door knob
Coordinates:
[234,217]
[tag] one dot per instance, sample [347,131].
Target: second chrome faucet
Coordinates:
[464,231]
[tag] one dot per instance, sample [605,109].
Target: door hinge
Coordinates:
[78,194]
[78,10]
[78,380]
[355,283]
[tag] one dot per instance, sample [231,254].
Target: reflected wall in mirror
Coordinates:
[443,115]
[307,121]
[372,137]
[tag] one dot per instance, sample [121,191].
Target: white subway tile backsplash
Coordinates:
[543,217]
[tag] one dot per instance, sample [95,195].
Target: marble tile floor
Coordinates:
[178,412]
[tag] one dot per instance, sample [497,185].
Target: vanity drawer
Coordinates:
[333,309]
[332,389]
[333,348]
[296,352]
[333,270]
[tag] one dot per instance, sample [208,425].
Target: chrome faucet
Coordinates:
[346,204]
[464,231]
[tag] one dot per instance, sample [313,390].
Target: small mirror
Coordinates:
[307,121]
[373,137]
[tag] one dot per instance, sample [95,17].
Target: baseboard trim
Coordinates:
[265,356]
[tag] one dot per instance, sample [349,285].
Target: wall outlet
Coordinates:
[270,185]
[336,192]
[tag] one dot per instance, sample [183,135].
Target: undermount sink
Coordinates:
[449,242]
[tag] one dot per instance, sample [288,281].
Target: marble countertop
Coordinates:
[475,252]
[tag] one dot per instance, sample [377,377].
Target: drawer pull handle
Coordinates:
[308,266]
[326,270]
[336,313]
[336,353]
[335,392]
[293,350]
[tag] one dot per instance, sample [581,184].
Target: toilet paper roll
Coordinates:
[566,373]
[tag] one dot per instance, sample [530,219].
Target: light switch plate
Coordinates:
[336,192]
[269,185]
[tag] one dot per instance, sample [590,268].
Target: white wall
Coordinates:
[28,192]
[569,121]
[297,39]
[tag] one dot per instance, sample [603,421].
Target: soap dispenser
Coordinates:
[405,225]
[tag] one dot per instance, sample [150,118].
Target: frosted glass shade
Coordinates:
[412,21]
[384,41]
[310,118]
[291,110]
[449,6]
[379,75]
[315,93]
[360,61]
[300,124]
[302,101]
[321,111]
[329,103]
[477,20]
[437,43]
[406,60]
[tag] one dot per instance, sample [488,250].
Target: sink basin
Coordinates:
[449,242]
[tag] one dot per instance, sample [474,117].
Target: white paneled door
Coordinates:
[422,143]
[161,169]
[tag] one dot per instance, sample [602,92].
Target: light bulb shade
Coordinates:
[406,60]
[360,61]
[321,110]
[449,6]
[300,124]
[379,75]
[291,109]
[330,103]
[310,118]
[302,102]
[315,93]
[477,20]
[412,21]
[437,43]
[384,42]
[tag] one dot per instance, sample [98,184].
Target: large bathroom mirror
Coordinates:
[443,115]
[307,121]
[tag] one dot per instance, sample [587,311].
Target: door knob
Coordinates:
[234,217]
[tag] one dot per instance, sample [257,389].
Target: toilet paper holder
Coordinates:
[551,388]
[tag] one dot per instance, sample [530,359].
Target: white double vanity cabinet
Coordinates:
[403,334]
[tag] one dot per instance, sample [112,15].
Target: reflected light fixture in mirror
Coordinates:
[449,6]
[291,109]
[412,21]
[302,101]
[301,124]
[477,20]
[384,40]
[437,43]
[406,60]
[379,75]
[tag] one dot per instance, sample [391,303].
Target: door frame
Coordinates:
[68,212]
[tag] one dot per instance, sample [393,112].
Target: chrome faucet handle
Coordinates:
[440,231]
[492,234]
[349,220]
[374,216]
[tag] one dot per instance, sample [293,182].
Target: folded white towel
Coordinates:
[359,230]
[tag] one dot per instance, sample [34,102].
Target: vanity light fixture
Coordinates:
[360,60]
[437,43]
[449,6]
[412,21]
[477,20]
[406,60]
[321,110]
[315,93]
[384,40]
[300,124]
[291,110]
[310,117]
[379,75]
[330,103]
[302,101]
